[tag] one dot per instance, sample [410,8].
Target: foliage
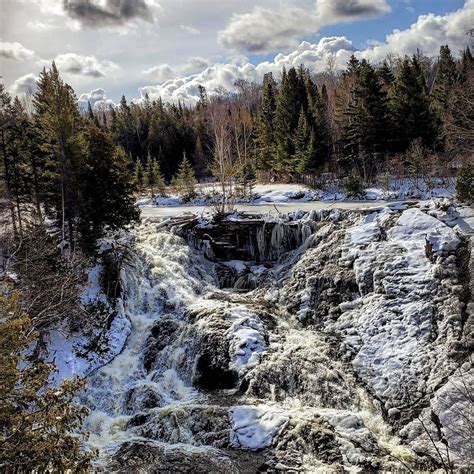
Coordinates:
[39,424]
[353,186]
[465,184]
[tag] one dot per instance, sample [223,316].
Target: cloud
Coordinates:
[102,13]
[194,65]
[26,84]
[160,73]
[90,66]
[15,51]
[271,29]
[189,29]
[97,99]
[427,34]
[225,75]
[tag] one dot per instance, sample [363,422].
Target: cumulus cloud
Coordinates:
[25,85]
[97,99]
[90,66]
[160,73]
[194,65]
[225,75]
[100,13]
[270,29]
[427,34]
[15,51]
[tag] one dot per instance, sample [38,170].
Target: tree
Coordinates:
[185,180]
[302,142]
[106,188]
[445,81]
[39,423]
[265,130]
[409,108]
[139,179]
[364,135]
[159,181]
[286,121]
[58,126]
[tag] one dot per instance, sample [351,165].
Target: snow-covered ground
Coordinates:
[297,193]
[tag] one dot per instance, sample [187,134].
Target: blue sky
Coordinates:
[166,48]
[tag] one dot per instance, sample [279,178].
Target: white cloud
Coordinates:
[15,51]
[97,99]
[224,75]
[26,84]
[189,29]
[90,66]
[427,34]
[271,29]
[160,73]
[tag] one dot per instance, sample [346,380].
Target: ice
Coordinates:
[255,427]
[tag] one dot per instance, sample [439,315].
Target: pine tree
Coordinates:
[38,421]
[266,137]
[106,188]
[410,111]
[466,66]
[386,76]
[139,178]
[185,180]
[58,127]
[364,136]
[302,141]
[286,122]
[446,79]
[160,183]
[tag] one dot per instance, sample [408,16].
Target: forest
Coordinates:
[71,177]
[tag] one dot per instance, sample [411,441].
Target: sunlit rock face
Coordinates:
[319,342]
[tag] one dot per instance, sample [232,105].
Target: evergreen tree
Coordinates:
[266,137]
[139,178]
[446,79]
[386,76]
[409,109]
[465,184]
[185,180]
[286,122]
[58,126]
[466,66]
[302,142]
[106,188]
[159,181]
[38,421]
[364,136]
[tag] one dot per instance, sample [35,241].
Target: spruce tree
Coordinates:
[58,127]
[139,178]
[286,121]
[410,112]
[364,136]
[185,179]
[106,188]
[265,134]
[446,79]
[302,142]
[160,182]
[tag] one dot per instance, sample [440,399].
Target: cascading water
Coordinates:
[214,380]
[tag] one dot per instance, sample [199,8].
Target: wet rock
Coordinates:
[162,335]
[142,456]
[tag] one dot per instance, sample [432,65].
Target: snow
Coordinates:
[255,427]
[246,340]
[389,327]
[274,193]
[238,265]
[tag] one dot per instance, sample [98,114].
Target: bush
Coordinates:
[353,186]
[465,184]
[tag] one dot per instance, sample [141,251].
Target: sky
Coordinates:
[166,48]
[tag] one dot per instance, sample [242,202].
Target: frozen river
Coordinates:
[265,208]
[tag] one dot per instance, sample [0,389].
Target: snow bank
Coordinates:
[255,427]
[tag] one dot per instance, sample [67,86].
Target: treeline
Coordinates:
[365,120]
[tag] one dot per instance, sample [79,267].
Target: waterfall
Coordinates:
[230,381]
